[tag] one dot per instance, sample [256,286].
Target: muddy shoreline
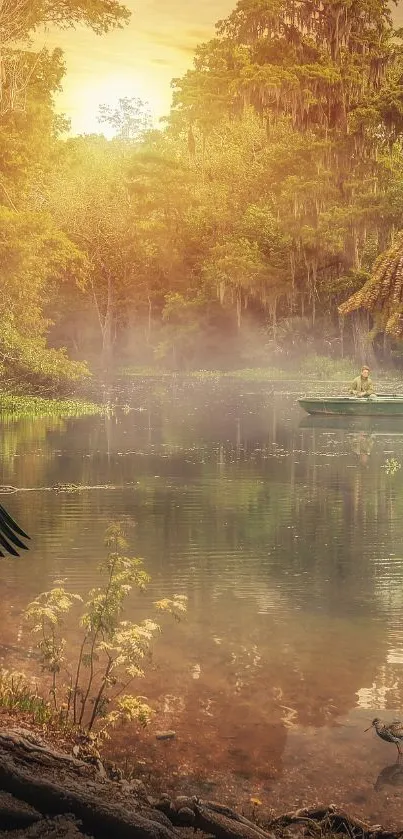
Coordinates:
[53,788]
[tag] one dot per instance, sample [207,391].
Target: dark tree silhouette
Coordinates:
[9,534]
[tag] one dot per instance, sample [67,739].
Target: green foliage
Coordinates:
[17,20]
[16,694]
[36,257]
[323,367]
[229,237]
[382,293]
[15,407]
[112,651]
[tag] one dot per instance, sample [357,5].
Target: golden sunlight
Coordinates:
[107,91]
[139,60]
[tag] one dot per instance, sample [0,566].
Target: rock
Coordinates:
[61,827]
[186,816]
[161,818]
[183,801]
[137,788]
[15,814]
[165,735]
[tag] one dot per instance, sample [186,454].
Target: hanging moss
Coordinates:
[382,294]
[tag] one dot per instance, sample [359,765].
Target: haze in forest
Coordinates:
[261,226]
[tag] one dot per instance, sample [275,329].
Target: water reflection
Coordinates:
[288,549]
[390,775]
[362,445]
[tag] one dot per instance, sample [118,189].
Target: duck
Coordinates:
[10,532]
[392,732]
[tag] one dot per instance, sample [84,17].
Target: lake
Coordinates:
[285,533]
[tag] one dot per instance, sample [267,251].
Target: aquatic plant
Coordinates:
[112,651]
[391,466]
[312,367]
[14,407]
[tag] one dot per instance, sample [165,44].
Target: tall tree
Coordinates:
[326,75]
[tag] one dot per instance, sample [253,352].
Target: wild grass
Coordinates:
[312,367]
[17,695]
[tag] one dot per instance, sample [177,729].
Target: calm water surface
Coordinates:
[287,536]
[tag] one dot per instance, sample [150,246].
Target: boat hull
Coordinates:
[381,406]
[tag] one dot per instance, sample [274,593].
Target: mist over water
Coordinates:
[286,534]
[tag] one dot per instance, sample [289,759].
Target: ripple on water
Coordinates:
[286,539]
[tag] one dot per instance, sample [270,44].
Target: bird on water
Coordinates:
[392,732]
[9,534]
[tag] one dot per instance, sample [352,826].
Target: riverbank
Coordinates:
[311,367]
[62,790]
[18,407]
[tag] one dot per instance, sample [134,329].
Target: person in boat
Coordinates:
[362,385]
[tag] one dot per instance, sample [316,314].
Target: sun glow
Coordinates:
[84,111]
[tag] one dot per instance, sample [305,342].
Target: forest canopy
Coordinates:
[260,220]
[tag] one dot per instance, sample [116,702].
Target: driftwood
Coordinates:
[56,784]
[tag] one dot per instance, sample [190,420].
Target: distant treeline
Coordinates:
[232,235]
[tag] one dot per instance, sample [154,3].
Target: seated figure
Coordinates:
[362,385]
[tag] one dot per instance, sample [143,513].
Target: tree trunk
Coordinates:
[363,346]
[341,331]
[238,307]
[107,329]
[150,307]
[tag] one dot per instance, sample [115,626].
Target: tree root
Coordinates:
[224,823]
[56,784]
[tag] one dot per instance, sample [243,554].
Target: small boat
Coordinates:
[352,406]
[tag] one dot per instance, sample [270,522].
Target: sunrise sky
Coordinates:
[139,60]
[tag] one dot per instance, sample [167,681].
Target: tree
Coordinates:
[324,80]
[382,293]
[30,130]
[34,256]
[122,204]
[130,119]
[20,18]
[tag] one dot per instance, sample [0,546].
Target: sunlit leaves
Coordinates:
[112,650]
[130,119]
[19,17]
[177,606]
[382,293]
